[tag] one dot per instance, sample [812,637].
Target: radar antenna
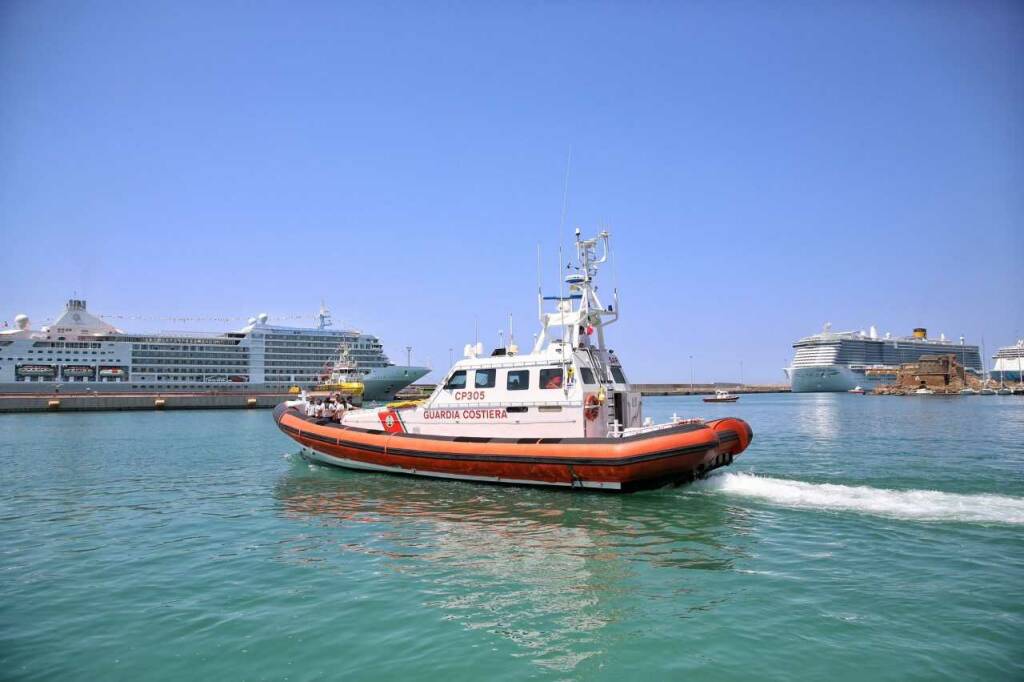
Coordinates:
[324,316]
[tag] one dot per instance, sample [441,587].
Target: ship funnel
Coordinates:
[920,333]
[21,322]
[873,332]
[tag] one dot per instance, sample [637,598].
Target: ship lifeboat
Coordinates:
[36,371]
[671,454]
[79,371]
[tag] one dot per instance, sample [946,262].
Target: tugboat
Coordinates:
[562,415]
[343,378]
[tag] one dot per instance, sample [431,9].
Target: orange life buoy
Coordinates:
[590,407]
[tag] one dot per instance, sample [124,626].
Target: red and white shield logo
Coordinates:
[391,421]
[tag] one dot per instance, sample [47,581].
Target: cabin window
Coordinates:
[551,378]
[484,378]
[620,378]
[587,374]
[456,381]
[518,380]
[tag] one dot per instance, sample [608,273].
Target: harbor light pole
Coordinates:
[741,373]
[691,375]
[408,356]
[451,357]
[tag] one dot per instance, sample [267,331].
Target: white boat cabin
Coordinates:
[569,386]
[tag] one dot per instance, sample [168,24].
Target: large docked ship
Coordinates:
[80,351]
[841,361]
[1009,364]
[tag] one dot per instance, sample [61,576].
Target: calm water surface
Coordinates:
[858,538]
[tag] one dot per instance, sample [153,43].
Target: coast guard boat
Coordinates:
[562,414]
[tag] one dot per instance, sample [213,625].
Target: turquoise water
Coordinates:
[858,538]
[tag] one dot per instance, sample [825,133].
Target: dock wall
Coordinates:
[78,402]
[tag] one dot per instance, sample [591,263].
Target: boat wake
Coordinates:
[920,505]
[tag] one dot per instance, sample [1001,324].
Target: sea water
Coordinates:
[858,538]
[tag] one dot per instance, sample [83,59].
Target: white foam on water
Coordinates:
[921,505]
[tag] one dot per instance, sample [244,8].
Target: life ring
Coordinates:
[591,407]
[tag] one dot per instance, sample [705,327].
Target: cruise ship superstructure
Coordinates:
[840,361]
[1008,367]
[80,351]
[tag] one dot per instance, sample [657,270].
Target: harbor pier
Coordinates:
[98,402]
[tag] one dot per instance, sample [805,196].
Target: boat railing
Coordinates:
[638,430]
[505,405]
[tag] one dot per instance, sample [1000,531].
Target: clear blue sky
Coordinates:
[763,167]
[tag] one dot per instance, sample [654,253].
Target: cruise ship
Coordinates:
[840,361]
[1009,363]
[80,352]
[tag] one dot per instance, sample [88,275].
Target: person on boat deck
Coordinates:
[310,407]
[318,411]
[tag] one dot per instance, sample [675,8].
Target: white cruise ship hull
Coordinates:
[381,385]
[829,379]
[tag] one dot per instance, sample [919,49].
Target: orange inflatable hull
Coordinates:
[676,454]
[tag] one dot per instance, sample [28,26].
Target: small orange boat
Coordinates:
[673,454]
[561,415]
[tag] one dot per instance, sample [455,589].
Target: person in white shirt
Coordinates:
[310,408]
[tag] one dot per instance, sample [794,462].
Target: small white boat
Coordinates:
[722,397]
[924,391]
[856,389]
[987,391]
[968,391]
[1004,391]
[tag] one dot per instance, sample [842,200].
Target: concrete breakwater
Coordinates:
[88,402]
[708,389]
